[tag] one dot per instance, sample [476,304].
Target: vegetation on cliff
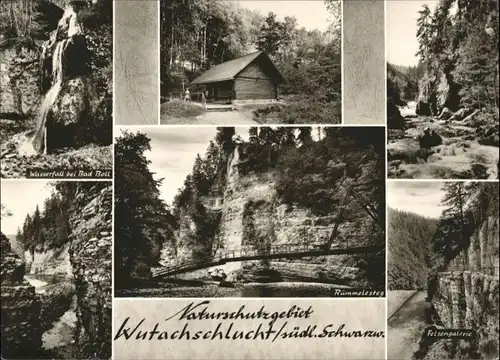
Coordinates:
[469,208]
[466,206]
[27,22]
[78,115]
[458,51]
[313,168]
[48,228]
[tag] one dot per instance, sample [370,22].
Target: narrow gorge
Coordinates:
[56,292]
[248,213]
[463,286]
[442,112]
[255,201]
[443,270]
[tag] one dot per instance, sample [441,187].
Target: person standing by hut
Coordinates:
[204,100]
[187,95]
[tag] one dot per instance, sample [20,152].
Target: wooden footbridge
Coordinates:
[286,251]
[275,252]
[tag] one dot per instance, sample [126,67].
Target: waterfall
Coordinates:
[69,24]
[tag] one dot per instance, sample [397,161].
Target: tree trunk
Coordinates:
[171,43]
[204,44]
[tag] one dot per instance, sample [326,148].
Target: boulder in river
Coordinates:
[423,108]
[460,114]
[394,118]
[429,139]
[445,114]
[217,274]
[471,119]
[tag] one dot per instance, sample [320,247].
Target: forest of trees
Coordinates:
[196,35]
[142,220]
[402,83]
[459,40]
[48,227]
[408,246]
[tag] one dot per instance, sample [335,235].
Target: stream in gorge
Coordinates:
[463,153]
[58,336]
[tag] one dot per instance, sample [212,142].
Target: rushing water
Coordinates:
[61,334]
[38,284]
[68,21]
[41,281]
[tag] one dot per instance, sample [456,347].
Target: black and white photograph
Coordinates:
[442,261]
[232,62]
[250,212]
[56,88]
[136,63]
[56,261]
[442,89]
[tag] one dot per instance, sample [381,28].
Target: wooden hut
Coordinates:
[250,77]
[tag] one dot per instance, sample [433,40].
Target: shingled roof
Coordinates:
[230,69]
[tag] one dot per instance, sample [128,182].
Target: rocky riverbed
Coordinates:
[57,315]
[466,146]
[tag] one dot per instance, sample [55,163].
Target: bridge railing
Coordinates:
[223,254]
[241,252]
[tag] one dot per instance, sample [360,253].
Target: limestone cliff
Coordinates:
[21,333]
[49,262]
[90,256]
[19,79]
[20,83]
[465,293]
[249,214]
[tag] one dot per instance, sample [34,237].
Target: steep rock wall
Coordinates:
[437,91]
[21,335]
[19,81]
[49,262]
[90,255]
[467,293]
[252,216]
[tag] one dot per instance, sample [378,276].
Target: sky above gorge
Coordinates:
[21,197]
[419,197]
[401,30]
[174,150]
[311,14]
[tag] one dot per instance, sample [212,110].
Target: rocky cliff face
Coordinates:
[253,217]
[55,77]
[19,81]
[467,292]
[90,255]
[21,333]
[49,262]
[437,91]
